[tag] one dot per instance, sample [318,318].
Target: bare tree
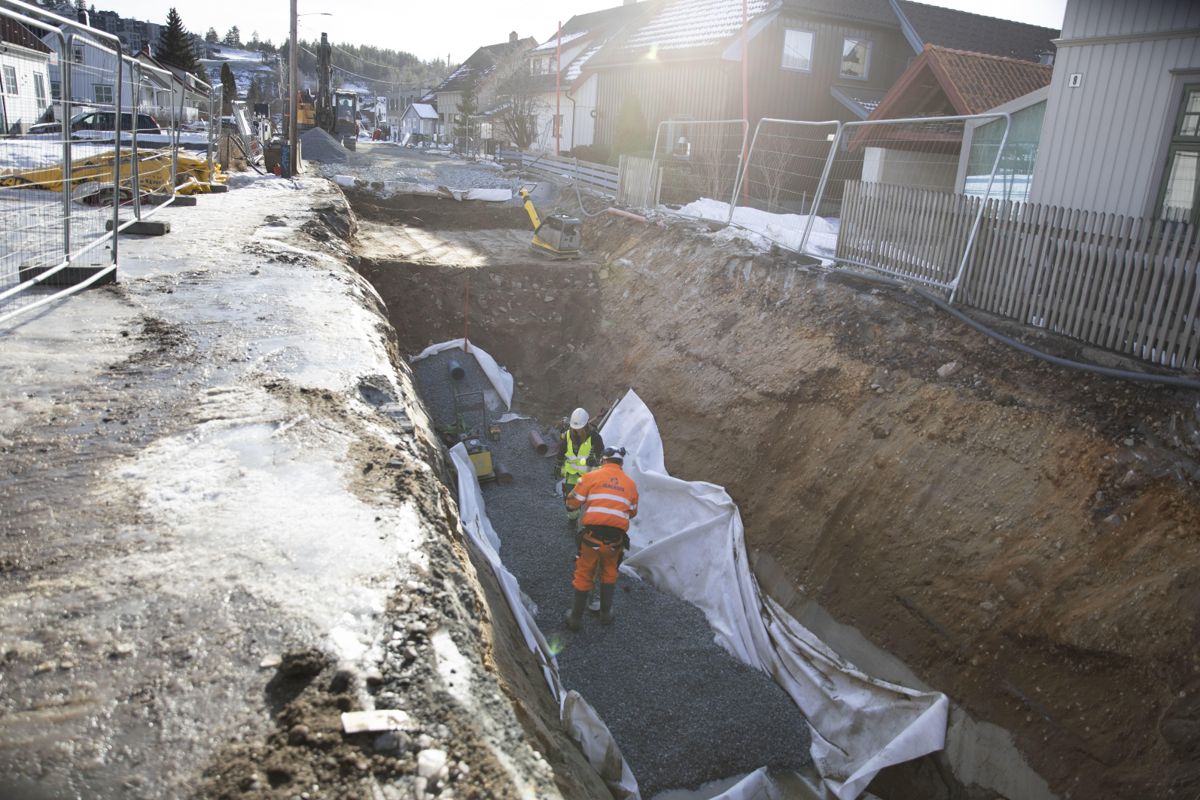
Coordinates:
[518,101]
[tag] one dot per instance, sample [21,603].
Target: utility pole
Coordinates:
[558,92]
[294,101]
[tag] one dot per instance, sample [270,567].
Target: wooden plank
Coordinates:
[1106,237]
[1119,338]
[972,284]
[848,221]
[1172,326]
[1042,238]
[1140,308]
[1002,261]
[1072,253]
[980,282]
[1150,333]
[1176,341]
[1189,336]
[918,250]
[1064,249]
[1081,266]
[1114,291]
[972,208]
[1012,269]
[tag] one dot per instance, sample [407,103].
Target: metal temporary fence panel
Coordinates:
[894,188]
[699,158]
[151,181]
[58,179]
[785,165]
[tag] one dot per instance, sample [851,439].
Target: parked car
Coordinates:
[101,121]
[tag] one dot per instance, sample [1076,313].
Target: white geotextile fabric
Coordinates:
[498,375]
[688,539]
[581,719]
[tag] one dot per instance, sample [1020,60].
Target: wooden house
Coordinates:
[806,59]
[945,82]
[561,83]
[24,77]
[1122,124]
[478,78]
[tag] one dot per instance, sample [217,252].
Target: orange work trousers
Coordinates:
[592,551]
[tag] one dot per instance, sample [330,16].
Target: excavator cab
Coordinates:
[558,235]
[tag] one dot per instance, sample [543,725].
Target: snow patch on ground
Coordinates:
[786,230]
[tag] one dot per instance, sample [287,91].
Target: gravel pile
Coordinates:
[318,145]
[683,711]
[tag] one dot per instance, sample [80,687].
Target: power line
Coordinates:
[355,74]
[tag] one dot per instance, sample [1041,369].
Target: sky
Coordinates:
[456,28]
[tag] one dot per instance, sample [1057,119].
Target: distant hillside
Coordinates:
[353,62]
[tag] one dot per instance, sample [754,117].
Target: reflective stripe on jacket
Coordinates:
[575,464]
[608,497]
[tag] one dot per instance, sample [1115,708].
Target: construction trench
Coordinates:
[945,513]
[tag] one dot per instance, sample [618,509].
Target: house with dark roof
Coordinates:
[945,82]
[562,87]
[805,59]
[24,77]
[479,78]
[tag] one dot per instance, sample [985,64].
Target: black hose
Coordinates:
[1110,372]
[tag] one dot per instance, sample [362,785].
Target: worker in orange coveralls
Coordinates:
[609,499]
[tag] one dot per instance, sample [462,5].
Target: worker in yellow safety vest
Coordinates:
[580,443]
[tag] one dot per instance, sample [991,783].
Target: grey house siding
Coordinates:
[1104,143]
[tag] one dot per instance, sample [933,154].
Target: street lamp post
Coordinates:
[294,88]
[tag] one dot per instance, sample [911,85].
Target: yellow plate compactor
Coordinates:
[557,236]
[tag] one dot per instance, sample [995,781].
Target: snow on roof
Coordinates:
[693,23]
[552,44]
[424,110]
[575,68]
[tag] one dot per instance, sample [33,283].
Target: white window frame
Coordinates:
[11,85]
[866,65]
[98,89]
[39,87]
[812,48]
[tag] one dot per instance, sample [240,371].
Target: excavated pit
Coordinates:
[1019,536]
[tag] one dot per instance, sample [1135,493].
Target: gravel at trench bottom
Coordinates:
[683,711]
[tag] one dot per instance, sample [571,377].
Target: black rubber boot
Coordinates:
[576,616]
[606,602]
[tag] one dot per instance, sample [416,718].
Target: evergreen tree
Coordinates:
[175,45]
[255,44]
[228,89]
[211,37]
[234,37]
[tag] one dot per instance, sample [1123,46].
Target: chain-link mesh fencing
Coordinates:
[700,159]
[91,141]
[896,191]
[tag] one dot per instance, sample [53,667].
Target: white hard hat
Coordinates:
[579,419]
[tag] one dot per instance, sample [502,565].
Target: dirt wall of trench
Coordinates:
[1026,538]
[1023,537]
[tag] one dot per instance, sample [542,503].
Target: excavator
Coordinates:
[557,236]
